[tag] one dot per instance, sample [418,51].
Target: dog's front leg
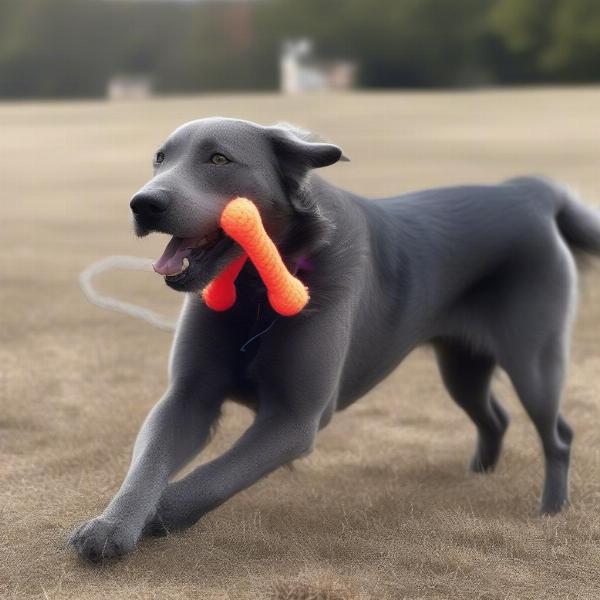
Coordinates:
[175,430]
[271,441]
[298,379]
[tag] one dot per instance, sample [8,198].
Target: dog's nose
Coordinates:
[145,204]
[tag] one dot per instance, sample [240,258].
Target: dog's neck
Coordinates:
[312,246]
[311,229]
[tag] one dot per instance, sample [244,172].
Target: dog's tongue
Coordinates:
[171,261]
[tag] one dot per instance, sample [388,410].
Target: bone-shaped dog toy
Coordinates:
[241,221]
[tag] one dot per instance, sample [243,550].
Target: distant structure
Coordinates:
[129,87]
[301,72]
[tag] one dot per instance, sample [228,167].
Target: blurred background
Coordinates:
[94,48]
[418,93]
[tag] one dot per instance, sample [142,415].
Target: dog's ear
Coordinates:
[297,152]
[303,148]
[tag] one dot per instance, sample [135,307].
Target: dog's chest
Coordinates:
[245,385]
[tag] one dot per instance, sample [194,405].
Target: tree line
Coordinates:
[71,48]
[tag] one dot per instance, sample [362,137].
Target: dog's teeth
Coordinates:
[186,264]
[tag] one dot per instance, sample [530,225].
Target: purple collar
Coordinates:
[304,264]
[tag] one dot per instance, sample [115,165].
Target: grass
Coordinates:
[384,507]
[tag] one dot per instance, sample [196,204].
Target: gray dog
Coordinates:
[485,274]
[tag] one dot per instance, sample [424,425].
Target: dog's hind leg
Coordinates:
[531,331]
[538,382]
[467,376]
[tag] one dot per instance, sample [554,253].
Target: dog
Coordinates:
[485,274]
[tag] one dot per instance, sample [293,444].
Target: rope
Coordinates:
[131,263]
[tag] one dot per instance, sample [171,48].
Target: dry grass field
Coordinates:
[384,507]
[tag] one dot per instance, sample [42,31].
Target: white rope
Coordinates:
[131,263]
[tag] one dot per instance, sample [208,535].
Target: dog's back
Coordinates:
[448,238]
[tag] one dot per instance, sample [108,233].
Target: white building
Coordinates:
[301,72]
[129,87]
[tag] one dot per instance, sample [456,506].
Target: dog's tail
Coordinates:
[578,224]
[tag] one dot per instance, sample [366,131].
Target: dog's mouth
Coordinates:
[185,256]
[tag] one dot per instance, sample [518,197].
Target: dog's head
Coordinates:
[206,163]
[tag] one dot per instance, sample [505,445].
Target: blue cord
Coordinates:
[243,348]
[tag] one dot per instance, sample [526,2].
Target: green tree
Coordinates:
[72,47]
[574,51]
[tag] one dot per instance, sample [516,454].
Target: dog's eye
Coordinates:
[160,157]
[219,159]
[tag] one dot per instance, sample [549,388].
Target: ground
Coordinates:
[384,507]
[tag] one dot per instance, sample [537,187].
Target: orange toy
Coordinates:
[241,221]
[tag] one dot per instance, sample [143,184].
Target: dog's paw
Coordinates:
[102,539]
